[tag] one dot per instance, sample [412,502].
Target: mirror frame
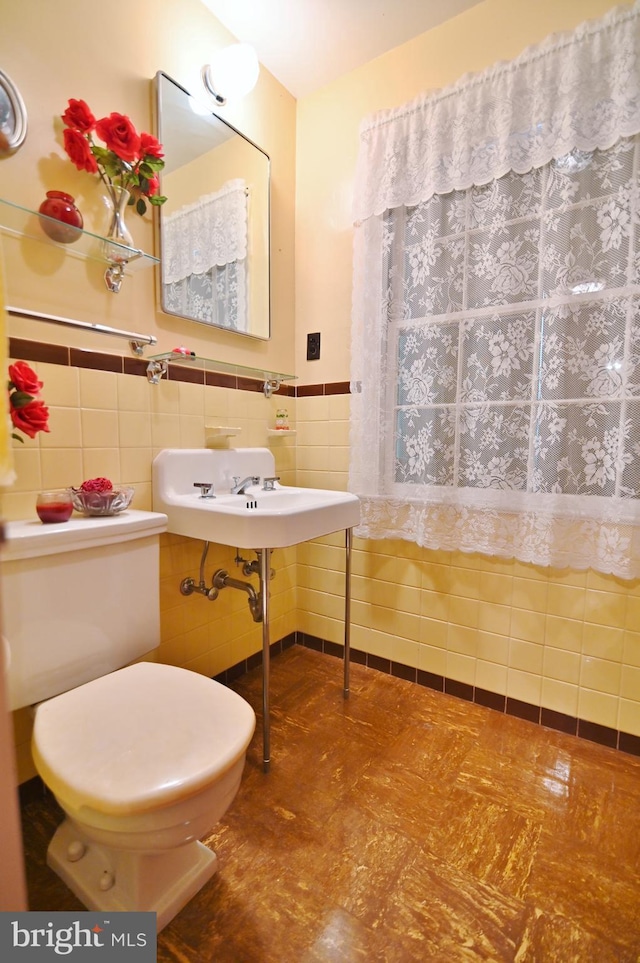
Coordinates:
[161,127]
[13,128]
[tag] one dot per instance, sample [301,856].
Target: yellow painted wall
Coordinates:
[569,641]
[109,57]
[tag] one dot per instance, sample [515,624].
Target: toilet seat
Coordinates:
[139,738]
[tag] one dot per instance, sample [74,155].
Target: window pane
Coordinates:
[428,364]
[576,449]
[503,266]
[494,446]
[583,350]
[425,446]
[497,358]
[511,197]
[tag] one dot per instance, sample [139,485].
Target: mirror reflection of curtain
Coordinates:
[205,258]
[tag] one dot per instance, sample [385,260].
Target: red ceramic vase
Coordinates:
[66,217]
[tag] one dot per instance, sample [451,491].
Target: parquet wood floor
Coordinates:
[404,825]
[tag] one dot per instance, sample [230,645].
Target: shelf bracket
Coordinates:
[271,385]
[114,275]
[156,371]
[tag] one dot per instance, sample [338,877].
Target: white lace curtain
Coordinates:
[496,321]
[204,258]
[580,90]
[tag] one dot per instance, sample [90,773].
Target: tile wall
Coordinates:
[558,647]
[555,646]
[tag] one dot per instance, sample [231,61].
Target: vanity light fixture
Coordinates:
[232,73]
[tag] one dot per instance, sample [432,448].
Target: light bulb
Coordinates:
[232,73]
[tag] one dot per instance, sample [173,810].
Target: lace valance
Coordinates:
[212,232]
[573,91]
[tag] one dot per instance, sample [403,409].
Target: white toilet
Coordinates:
[145,759]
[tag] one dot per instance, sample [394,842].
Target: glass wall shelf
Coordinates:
[23,222]
[159,365]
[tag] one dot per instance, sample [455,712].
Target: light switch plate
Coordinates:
[313,346]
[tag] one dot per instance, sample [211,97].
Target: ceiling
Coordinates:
[306,44]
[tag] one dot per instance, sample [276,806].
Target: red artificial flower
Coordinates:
[24,378]
[96,485]
[129,160]
[78,116]
[150,146]
[31,418]
[120,136]
[27,414]
[79,150]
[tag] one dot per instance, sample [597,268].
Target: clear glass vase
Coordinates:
[117,237]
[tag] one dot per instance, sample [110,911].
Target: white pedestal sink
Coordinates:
[256,519]
[193,488]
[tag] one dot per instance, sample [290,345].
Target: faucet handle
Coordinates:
[269,483]
[205,489]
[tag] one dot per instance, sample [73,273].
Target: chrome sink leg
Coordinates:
[266,657]
[347,610]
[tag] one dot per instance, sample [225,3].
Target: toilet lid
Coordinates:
[139,738]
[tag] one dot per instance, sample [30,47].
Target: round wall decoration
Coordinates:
[13,116]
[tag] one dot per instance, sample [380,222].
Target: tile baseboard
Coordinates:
[582,728]
[34,788]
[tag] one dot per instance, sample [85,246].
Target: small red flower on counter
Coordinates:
[95,485]
[28,414]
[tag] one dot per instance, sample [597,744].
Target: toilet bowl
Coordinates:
[143,758]
[143,762]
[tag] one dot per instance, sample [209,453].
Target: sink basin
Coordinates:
[254,520]
[262,519]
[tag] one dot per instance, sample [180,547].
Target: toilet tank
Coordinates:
[79,599]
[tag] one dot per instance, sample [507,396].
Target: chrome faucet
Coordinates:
[239,486]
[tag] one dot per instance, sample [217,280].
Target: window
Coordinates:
[515,345]
[496,332]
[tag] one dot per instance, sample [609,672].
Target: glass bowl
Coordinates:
[101,503]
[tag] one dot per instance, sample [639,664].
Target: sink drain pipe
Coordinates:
[222,579]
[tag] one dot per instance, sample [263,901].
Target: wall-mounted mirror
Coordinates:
[214,226]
